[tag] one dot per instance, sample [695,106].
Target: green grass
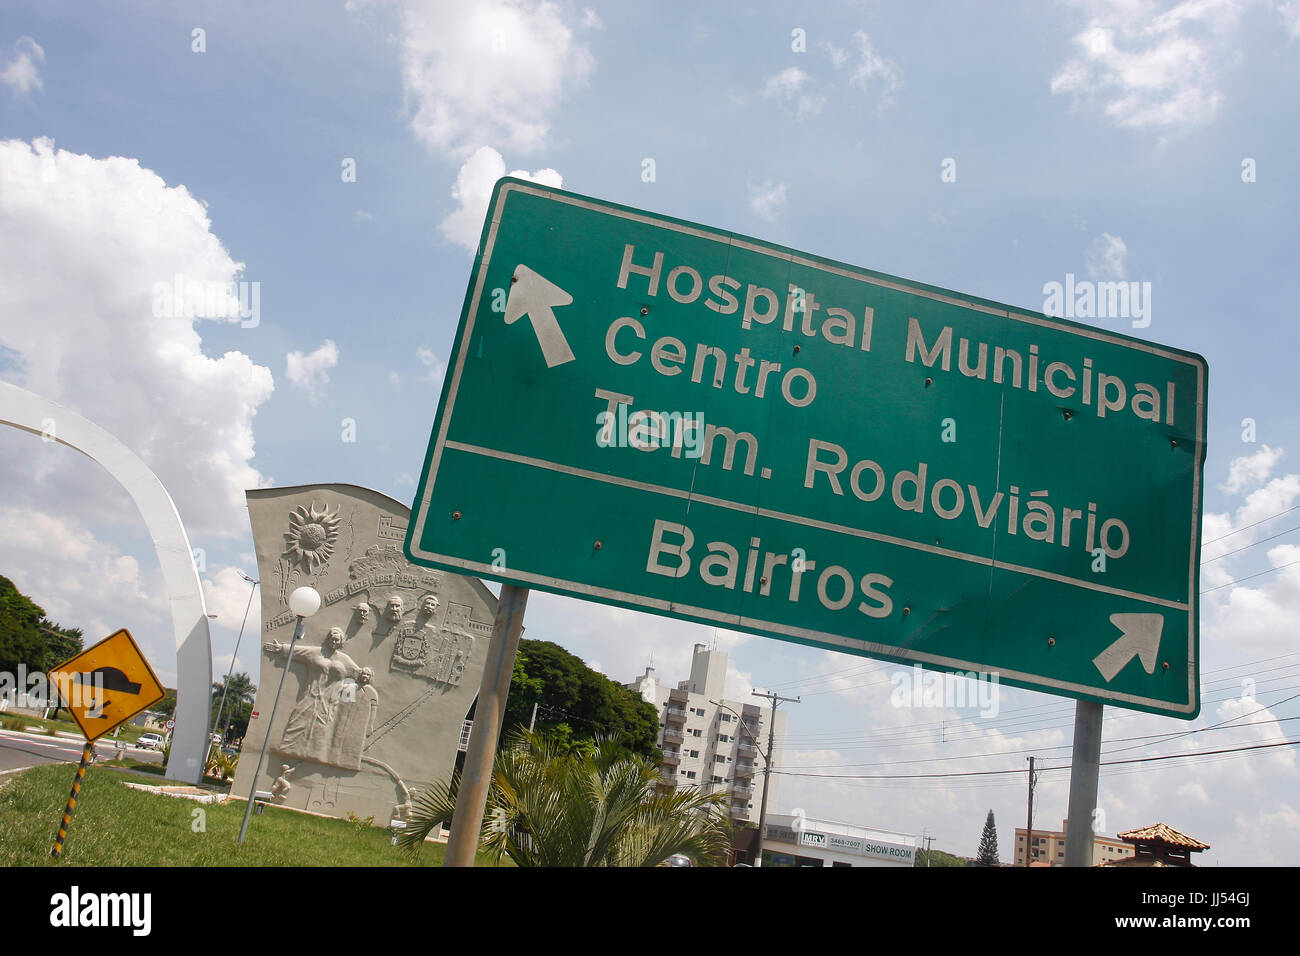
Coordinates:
[114,825]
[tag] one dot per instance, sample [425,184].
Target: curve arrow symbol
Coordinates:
[1140,637]
[535,297]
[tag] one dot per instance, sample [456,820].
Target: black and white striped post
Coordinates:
[86,753]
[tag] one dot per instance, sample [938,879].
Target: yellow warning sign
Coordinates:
[107,684]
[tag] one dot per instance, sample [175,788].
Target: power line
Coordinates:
[1249,576]
[918,736]
[1246,547]
[1249,526]
[1002,773]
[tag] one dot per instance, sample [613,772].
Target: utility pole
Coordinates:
[1029,824]
[767,768]
[1085,764]
[928,841]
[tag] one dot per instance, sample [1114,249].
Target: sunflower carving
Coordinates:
[309,543]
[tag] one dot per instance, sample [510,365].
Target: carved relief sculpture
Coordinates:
[377,693]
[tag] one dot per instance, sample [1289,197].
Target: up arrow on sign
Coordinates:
[534,296]
[1140,638]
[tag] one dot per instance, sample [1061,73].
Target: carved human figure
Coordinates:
[280,787]
[428,605]
[356,718]
[393,609]
[363,612]
[309,731]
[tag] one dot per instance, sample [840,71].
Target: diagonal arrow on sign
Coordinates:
[1140,637]
[535,297]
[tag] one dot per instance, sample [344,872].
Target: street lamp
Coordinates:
[217,722]
[303,602]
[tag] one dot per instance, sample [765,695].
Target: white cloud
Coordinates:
[83,241]
[435,369]
[1152,68]
[1105,258]
[869,70]
[1290,13]
[22,73]
[487,72]
[473,190]
[788,89]
[839,56]
[767,200]
[82,581]
[395,379]
[364,216]
[310,372]
[1249,470]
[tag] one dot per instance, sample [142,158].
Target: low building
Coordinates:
[1159,845]
[1048,848]
[791,840]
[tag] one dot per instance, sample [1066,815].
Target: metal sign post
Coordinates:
[1085,765]
[86,753]
[489,712]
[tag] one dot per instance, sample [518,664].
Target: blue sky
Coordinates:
[1100,138]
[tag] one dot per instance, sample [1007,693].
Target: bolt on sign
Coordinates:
[107,684]
[660,415]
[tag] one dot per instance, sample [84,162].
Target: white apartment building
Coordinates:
[709,741]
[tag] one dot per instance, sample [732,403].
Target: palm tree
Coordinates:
[552,805]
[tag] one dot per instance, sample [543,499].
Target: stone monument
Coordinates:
[380,685]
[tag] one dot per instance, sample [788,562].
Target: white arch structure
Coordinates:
[32,413]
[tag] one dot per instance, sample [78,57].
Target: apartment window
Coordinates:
[699,711]
[717,779]
[697,733]
[690,775]
[695,753]
[723,738]
[719,759]
[725,717]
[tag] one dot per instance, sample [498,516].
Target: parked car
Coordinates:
[150,742]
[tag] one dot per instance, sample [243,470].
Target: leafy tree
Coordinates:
[934,857]
[28,638]
[552,806]
[61,643]
[239,705]
[988,853]
[575,704]
[20,634]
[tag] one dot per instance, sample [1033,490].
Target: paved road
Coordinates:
[21,750]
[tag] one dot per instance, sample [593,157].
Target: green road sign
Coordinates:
[659,415]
